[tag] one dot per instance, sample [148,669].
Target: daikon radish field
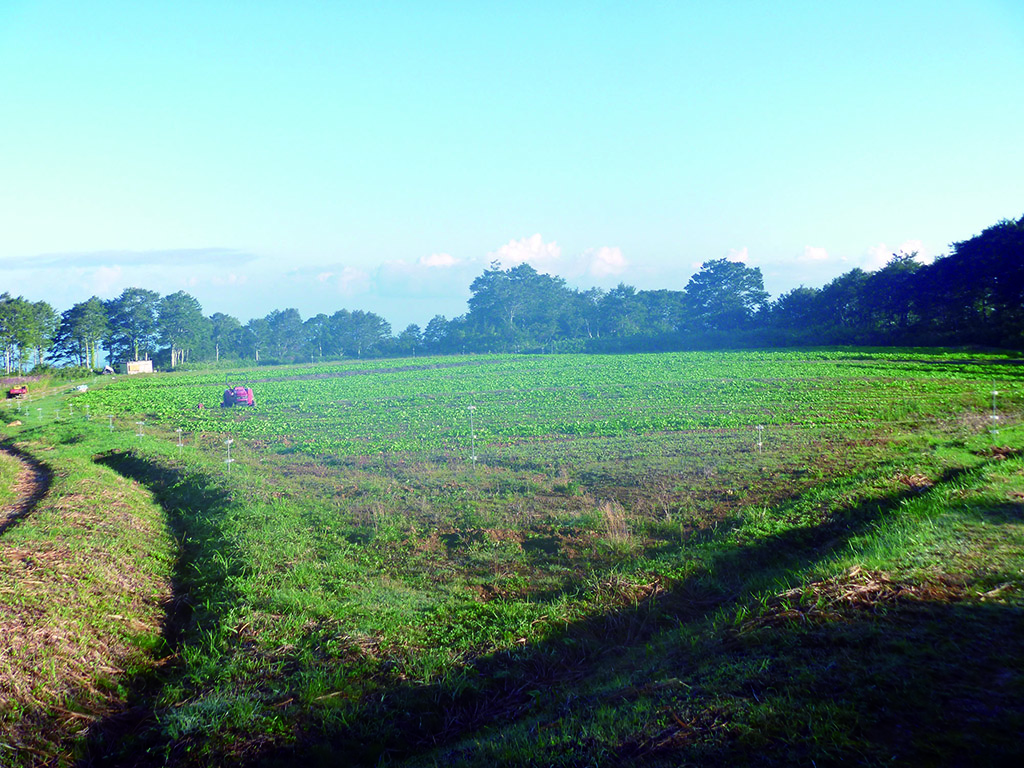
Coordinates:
[547,560]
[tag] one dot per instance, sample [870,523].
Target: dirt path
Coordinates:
[32,484]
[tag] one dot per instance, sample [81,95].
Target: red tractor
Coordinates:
[21,391]
[237,396]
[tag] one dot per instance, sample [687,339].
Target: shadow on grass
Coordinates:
[200,593]
[929,682]
[915,682]
[410,720]
[1008,513]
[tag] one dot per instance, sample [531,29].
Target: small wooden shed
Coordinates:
[138,366]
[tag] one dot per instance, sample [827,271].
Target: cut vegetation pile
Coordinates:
[708,559]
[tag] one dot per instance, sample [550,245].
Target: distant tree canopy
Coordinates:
[27,329]
[973,296]
[518,309]
[725,295]
[81,330]
[132,324]
[181,327]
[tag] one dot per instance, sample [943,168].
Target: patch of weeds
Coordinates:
[616,530]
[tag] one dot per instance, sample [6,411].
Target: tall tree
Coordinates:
[357,333]
[436,334]
[622,313]
[287,337]
[515,307]
[133,324]
[726,294]
[225,334]
[316,332]
[797,310]
[181,325]
[991,273]
[45,324]
[367,332]
[338,328]
[16,321]
[254,337]
[843,312]
[890,295]
[81,329]
[581,315]
[665,312]
[410,340]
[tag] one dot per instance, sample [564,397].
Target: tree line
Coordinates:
[974,295]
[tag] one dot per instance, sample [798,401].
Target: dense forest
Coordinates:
[973,296]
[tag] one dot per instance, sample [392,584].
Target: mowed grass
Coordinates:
[650,580]
[85,581]
[10,469]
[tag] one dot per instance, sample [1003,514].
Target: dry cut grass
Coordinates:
[74,600]
[855,590]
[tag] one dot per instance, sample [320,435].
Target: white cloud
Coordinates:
[880,255]
[814,253]
[438,260]
[604,261]
[232,279]
[918,247]
[352,280]
[739,255]
[599,263]
[107,280]
[173,257]
[544,257]
[345,280]
[439,274]
[877,257]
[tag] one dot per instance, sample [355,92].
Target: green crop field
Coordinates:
[698,558]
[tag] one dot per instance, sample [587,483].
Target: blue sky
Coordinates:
[379,155]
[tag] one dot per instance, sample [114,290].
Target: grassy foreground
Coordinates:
[849,590]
